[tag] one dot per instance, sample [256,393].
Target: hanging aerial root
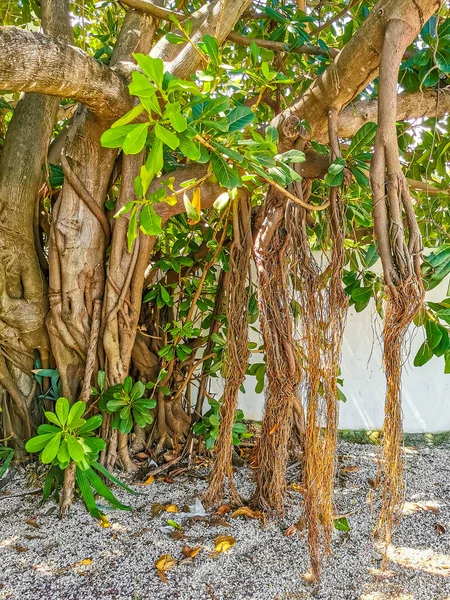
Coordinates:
[237,351]
[281,357]
[399,247]
[402,306]
[323,305]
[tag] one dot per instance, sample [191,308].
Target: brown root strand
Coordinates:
[237,351]
[272,449]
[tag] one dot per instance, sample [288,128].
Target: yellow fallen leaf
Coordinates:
[274,428]
[246,511]
[148,481]
[104,521]
[164,563]
[191,552]
[85,561]
[223,544]
[172,508]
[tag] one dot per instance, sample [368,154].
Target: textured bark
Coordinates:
[352,70]
[23,300]
[77,240]
[33,62]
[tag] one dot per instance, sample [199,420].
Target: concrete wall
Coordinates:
[425,392]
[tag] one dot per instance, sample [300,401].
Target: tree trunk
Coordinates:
[23,293]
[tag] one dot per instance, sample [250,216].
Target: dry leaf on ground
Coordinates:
[191,552]
[410,508]
[246,511]
[164,563]
[223,510]
[223,544]
[148,481]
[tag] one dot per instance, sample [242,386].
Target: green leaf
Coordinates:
[239,118]
[361,178]
[361,294]
[91,424]
[434,334]
[291,156]
[132,229]
[130,116]
[152,67]
[63,453]
[443,345]
[62,410]
[166,136]
[101,469]
[76,411]
[424,354]
[137,391]
[447,362]
[149,221]
[227,176]
[52,418]
[136,138]
[51,449]
[214,107]
[114,138]
[35,444]
[189,148]
[75,449]
[341,524]
[86,492]
[362,138]
[371,256]
[335,175]
[140,86]
[103,490]
[210,47]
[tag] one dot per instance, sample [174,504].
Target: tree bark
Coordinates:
[23,299]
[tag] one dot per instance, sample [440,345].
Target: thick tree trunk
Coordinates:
[23,297]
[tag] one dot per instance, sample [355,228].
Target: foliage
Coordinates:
[70,437]
[209,424]
[6,456]
[129,406]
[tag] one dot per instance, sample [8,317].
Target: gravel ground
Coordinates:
[41,557]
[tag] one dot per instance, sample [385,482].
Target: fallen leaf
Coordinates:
[157,509]
[164,563]
[223,544]
[85,561]
[439,528]
[413,507]
[223,510]
[274,428]
[216,521]
[148,481]
[177,535]
[246,511]
[32,522]
[350,469]
[373,483]
[104,521]
[141,456]
[171,508]
[191,552]
[20,548]
[174,524]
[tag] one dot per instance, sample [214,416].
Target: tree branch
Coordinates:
[33,62]
[352,70]
[416,105]
[280,46]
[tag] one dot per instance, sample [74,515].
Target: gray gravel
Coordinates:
[41,562]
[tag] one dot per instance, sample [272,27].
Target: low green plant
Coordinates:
[129,405]
[6,456]
[70,437]
[208,426]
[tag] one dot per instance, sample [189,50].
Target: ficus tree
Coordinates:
[151,155]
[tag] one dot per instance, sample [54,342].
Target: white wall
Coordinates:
[425,390]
